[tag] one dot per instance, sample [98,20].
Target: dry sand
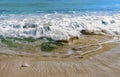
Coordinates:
[93,64]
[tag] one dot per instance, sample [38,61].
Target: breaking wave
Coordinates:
[58,26]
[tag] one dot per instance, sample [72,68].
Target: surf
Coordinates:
[59,26]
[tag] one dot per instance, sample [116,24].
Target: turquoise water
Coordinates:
[59,6]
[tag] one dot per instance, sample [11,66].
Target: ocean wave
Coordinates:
[58,26]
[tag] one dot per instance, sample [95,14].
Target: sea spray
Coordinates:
[59,26]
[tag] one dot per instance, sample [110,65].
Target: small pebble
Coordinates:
[25,65]
[80,57]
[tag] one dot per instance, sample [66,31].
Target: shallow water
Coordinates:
[74,49]
[102,65]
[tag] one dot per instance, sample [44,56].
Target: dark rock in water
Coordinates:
[76,49]
[116,33]
[73,38]
[24,26]
[86,32]
[1,37]
[30,25]
[79,57]
[46,39]
[16,26]
[112,21]
[63,41]
[46,28]
[33,26]
[104,22]
[104,31]
[83,32]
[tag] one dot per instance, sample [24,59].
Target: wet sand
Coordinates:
[102,63]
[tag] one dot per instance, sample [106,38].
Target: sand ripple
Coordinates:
[104,65]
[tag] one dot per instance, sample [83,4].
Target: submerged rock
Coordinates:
[112,21]
[87,32]
[104,22]
[50,46]
[30,25]
[1,37]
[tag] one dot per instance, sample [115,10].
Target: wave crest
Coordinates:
[58,26]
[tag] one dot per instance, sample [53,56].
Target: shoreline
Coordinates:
[100,63]
[77,49]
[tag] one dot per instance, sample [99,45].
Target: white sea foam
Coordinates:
[58,26]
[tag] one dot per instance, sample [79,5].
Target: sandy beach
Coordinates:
[59,38]
[102,63]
